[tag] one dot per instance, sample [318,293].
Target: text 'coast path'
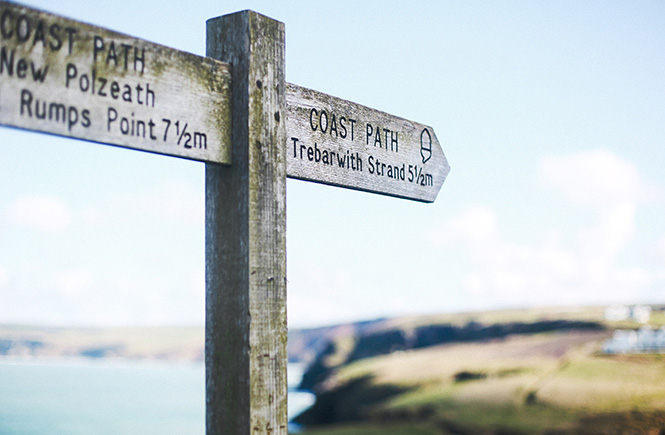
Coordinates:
[338,142]
[67,78]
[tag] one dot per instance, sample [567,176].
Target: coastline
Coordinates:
[41,389]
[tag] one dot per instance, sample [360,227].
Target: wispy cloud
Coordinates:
[4,276]
[320,296]
[584,263]
[75,283]
[174,201]
[597,177]
[38,212]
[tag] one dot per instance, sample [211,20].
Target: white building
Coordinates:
[644,340]
[638,313]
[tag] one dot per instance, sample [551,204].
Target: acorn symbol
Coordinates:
[425,145]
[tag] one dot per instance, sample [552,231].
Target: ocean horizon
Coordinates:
[71,396]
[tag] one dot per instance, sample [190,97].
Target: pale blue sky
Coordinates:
[551,115]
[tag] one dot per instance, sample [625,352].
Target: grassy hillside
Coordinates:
[521,371]
[551,382]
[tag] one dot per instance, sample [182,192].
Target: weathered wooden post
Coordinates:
[246,330]
[71,79]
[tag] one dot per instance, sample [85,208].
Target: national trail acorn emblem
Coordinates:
[425,145]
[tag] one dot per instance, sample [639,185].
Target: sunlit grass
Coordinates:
[402,429]
[526,384]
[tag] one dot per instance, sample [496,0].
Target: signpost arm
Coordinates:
[246,331]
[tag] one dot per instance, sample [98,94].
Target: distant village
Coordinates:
[626,341]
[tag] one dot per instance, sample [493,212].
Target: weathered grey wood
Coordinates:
[67,78]
[338,142]
[246,390]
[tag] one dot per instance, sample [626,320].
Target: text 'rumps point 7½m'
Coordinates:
[72,79]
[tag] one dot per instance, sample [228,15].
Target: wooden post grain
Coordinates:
[246,332]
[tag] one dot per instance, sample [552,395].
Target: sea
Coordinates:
[106,396]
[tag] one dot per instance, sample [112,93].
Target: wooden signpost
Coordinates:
[71,79]
[337,142]
[234,111]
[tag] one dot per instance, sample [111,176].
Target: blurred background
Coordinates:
[551,117]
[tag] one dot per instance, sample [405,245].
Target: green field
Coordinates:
[556,382]
[547,383]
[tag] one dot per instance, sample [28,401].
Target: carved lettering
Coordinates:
[91,83]
[55,112]
[10,65]
[118,54]
[23,29]
[331,123]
